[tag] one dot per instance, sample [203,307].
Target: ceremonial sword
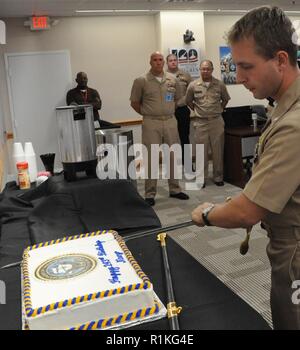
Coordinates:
[131,236]
[243,249]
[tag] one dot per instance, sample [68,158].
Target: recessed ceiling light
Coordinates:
[110,11]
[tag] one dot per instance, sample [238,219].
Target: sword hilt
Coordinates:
[173,309]
[162,238]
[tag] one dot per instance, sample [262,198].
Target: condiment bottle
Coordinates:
[23,175]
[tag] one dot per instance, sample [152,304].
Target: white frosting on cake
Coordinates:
[108,269]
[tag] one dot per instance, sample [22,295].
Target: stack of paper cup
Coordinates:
[31,159]
[17,154]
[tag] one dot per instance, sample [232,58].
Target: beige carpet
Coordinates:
[218,249]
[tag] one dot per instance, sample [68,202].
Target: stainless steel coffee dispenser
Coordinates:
[76,137]
[119,142]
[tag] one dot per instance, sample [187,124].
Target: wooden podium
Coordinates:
[238,151]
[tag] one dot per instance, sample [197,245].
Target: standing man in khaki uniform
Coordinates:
[266,60]
[153,95]
[182,111]
[208,96]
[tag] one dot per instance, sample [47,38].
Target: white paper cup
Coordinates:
[28,149]
[18,149]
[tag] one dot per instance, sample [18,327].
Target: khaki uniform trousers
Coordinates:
[284,253]
[160,130]
[210,132]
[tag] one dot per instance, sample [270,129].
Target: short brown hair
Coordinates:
[271,30]
[209,62]
[169,55]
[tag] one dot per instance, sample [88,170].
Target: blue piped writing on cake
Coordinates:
[100,248]
[105,262]
[113,270]
[120,257]
[114,273]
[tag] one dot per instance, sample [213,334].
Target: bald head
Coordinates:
[81,80]
[156,53]
[206,70]
[157,63]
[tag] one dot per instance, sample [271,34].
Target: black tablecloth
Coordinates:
[47,212]
[206,302]
[58,209]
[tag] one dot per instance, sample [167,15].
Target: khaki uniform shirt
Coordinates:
[184,80]
[207,101]
[275,181]
[156,98]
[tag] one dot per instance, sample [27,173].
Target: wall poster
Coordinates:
[188,60]
[228,68]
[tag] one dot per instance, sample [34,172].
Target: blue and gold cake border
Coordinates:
[118,320]
[30,312]
[113,321]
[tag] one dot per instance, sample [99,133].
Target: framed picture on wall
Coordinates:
[188,60]
[228,68]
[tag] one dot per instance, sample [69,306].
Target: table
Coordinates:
[207,303]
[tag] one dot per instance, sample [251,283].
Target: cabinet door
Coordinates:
[233,163]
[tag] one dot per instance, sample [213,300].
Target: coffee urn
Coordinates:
[76,137]
[122,142]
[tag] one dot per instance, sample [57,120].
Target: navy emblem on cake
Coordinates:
[65,266]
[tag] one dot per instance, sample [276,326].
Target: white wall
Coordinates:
[112,50]
[171,25]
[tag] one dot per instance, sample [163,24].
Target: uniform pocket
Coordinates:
[171,89]
[183,82]
[217,95]
[198,94]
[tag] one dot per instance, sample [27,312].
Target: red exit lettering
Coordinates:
[40,22]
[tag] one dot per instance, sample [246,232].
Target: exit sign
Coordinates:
[39,23]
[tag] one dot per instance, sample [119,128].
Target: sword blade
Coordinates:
[131,236]
[156,231]
[17,263]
